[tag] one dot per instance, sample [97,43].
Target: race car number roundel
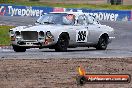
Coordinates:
[81,35]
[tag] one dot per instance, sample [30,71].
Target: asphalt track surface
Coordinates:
[120,47]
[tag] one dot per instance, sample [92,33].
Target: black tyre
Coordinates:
[19,49]
[81,80]
[62,43]
[102,43]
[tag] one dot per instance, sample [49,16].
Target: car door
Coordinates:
[94,30]
[81,31]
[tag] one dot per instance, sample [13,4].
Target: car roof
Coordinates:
[75,13]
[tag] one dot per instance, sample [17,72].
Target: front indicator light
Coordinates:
[48,41]
[12,38]
[49,35]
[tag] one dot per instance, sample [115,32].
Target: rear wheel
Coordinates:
[62,43]
[102,43]
[19,49]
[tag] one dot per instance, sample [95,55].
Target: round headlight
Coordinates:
[11,32]
[17,33]
[41,33]
[48,34]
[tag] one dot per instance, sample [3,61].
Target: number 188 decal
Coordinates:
[81,35]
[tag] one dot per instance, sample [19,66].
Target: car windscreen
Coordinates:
[57,18]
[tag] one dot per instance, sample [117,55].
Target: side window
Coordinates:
[69,19]
[82,20]
[90,20]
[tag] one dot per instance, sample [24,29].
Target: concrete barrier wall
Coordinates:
[36,11]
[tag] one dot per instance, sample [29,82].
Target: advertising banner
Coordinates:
[36,11]
[111,15]
[13,10]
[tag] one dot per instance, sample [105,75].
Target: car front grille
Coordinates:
[29,35]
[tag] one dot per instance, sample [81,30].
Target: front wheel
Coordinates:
[81,80]
[62,43]
[19,49]
[102,43]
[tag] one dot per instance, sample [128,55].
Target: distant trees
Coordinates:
[33,0]
[115,2]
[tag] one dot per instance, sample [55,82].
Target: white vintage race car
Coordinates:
[60,30]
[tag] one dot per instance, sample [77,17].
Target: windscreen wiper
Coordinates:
[49,23]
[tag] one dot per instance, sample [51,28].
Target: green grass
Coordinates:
[4,35]
[104,6]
